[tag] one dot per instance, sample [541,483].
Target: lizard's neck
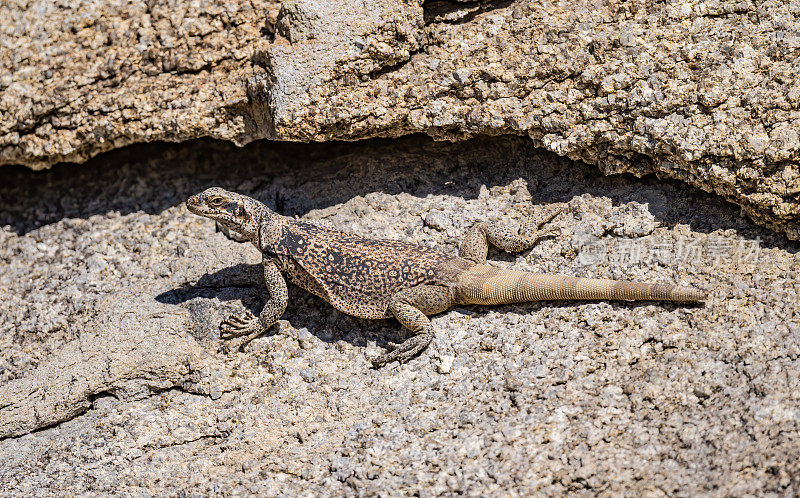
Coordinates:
[269,230]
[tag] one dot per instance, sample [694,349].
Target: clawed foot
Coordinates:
[404,351]
[387,357]
[245,327]
[535,226]
[384,358]
[239,325]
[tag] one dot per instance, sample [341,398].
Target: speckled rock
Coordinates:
[705,92]
[79,78]
[138,346]
[539,399]
[702,91]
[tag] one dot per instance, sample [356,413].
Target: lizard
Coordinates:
[377,279]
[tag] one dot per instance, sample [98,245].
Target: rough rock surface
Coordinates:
[703,91]
[138,346]
[542,398]
[706,92]
[78,78]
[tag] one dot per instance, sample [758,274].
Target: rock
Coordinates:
[538,399]
[85,77]
[658,90]
[137,347]
[662,89]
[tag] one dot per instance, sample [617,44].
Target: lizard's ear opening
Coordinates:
[240,212]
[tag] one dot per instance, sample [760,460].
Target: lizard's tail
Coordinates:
[488,285]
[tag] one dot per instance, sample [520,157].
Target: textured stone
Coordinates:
[136,347]
[78,78]
[542,399]
[703,91]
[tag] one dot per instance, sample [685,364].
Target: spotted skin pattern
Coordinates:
[358,276]
[371,278]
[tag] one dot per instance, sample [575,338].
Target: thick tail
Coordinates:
[488,285]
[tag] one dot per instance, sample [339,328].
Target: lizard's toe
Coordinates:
[385,358]
[229,325]
[238,340]
[240,320]
[380,361]
[235,326]
[226,331]
[554,232]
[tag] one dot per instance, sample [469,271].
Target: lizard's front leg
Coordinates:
[410,307]
[248,326]
[476,242]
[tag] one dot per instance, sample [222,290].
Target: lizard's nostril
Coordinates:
[193,203]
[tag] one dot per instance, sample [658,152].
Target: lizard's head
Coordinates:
[234,211]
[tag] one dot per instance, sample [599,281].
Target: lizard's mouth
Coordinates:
[195,205]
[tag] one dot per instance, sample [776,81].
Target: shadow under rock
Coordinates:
[294,178]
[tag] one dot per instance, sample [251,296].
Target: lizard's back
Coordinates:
[358,275]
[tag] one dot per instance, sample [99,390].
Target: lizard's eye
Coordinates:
[216,201]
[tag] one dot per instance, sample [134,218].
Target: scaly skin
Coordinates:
[371,278]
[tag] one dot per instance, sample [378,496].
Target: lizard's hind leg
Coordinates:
[410,307]
[476,242]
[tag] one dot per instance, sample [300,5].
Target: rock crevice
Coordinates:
[705,92]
